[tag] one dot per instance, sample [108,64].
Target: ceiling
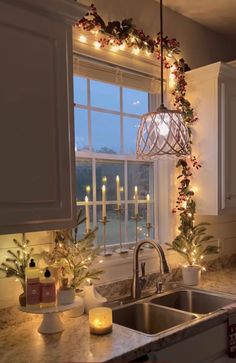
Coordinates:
[218,15]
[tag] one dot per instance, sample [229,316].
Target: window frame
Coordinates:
[93,156]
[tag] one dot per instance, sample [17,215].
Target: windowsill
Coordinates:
[120,266]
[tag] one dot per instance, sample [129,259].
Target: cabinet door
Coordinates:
[205,347]
[228,132]
[36,121]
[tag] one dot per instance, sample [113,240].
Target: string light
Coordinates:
[97,45]
[83,39]
[114,48]
[135,51]
[122,46]
[184,250]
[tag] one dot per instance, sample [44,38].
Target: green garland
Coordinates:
[116,33]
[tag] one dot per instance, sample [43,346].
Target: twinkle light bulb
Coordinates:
[83,39]
[97,45]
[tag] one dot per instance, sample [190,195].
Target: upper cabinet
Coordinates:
[212,92]
[37,187]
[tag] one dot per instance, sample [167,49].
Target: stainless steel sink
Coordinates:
[198,302]
[149,318]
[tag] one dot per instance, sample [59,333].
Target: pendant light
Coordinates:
[162,132]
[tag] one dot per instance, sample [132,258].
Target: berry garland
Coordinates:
[116,33]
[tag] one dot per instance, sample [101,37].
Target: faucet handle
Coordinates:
[143,265]
[159,287]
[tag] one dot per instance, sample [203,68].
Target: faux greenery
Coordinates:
[16,262]
[72,256]
[192,239]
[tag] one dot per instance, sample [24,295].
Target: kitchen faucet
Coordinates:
[137,281]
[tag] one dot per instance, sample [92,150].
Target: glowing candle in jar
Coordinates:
[104,212]
[135,200]
[100,320]
[148,208]
[118,190]
[87,221]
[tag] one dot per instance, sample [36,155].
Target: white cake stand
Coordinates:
[51,322]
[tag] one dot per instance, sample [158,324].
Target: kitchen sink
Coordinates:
[149,318]
[198,302]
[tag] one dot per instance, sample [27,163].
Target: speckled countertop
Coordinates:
[21,343]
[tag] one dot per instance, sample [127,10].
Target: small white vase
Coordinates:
[191,275]
[66,297]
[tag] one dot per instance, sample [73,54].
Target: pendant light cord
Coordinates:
[161,50]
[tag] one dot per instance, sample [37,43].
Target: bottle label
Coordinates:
[33,291]
[47,293]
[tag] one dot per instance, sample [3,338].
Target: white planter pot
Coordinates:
[191,275]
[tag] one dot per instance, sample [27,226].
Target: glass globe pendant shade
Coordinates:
[162,133]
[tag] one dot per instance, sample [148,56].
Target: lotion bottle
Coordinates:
[32,274]
[47,290]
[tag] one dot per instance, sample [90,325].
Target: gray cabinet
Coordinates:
[37,187]
[207,347]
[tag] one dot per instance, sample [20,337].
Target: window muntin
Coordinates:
[106,148]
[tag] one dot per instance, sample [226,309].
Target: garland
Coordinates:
[125,34]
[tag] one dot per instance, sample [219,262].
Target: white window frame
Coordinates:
[89,154]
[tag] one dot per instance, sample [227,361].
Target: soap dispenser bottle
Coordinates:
[32,274]
[47,290]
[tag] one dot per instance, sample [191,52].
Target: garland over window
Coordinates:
[123,34]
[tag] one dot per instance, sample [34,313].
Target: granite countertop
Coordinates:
[21,343]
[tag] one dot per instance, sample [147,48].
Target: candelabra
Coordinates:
[121,249]
[105,252]
[136,218]
[148,227]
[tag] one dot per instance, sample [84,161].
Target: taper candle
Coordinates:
[118,190]
[148,208]
[104,212]
[135,200]
[87,215]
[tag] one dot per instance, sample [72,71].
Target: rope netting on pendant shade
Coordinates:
[162,133]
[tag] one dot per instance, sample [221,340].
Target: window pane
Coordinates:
[81,129]
[82,227]
[132,225]
[112,227]
[106,172]
[105,95]
[135,101]
[84,185]
[80,90]
[105,132]
[130,133]
[140,174]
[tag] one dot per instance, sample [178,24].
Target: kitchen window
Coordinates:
[107,116]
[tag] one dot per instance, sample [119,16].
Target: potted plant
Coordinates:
[73,257]
[16,263]
[191,244]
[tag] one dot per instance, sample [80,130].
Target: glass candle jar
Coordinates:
[100,320]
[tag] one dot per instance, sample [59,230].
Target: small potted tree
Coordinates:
[191,244]
[16,263]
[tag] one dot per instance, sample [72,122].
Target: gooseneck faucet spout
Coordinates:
[136,288]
